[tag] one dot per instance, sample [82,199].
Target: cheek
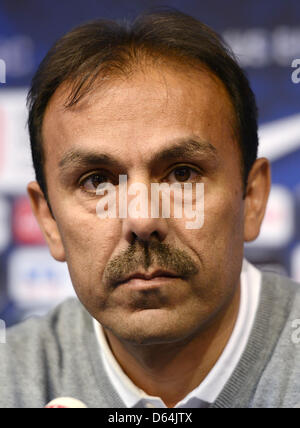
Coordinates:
[224,222]
[224,211]
[89,243]
[220,240]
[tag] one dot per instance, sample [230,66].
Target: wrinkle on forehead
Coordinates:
[108,88]
[155,95]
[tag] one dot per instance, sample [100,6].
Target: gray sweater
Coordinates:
[58,356]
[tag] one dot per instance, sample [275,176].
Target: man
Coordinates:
[169,316]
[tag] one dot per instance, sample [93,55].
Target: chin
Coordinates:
[151,327]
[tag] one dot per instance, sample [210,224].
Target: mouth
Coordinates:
[148,280]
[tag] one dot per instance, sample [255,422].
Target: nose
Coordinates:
[145,226]
[144,229]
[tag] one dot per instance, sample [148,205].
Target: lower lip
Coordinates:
[148,284]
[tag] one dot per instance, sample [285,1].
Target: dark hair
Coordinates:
[104,47]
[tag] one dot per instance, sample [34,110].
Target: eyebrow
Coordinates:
[185,149]
[79,158]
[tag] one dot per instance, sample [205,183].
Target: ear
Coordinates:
[257,193]
[46,221]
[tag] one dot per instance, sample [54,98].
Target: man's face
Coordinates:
[140,128]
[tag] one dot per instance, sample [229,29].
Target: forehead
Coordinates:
[137,116]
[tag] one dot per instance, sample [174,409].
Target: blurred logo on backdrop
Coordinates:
[36,281]
[25,228]
[15,164]
[18,53]
[278,226]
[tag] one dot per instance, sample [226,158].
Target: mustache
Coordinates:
[143,254]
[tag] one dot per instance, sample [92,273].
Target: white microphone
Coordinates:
[65,403]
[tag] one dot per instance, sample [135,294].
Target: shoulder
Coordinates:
[280,283]
[39,329]
[279,384]
[282,294]
[34,349]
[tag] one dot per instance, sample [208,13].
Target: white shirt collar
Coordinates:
[212,385]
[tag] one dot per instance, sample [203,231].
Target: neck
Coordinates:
[170,371]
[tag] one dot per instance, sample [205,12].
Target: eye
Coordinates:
[91,183]
[182,174]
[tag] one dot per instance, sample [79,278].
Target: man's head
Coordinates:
[161,100]
[103,49]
